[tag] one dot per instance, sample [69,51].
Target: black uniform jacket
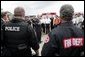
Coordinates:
[19,35]
[64,40]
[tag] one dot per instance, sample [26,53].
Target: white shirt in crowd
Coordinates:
[78,19]
[42,21]
[47,21]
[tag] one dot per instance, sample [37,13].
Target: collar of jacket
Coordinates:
[66,23]
[17,19]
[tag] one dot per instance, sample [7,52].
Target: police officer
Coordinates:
[18,36]
[66,39]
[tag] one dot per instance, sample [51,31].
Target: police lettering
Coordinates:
[12,28]
[73,42]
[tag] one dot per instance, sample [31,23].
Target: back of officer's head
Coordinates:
[66,12]
[19,11]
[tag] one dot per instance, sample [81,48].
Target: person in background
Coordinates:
[52,18]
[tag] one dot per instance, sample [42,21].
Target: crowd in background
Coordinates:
[47,23]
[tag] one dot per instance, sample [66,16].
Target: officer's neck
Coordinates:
[19,17]
[66,23]
[63,21]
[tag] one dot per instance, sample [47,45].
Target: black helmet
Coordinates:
[66,12]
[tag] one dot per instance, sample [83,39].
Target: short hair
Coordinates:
[19,11]
[66,12]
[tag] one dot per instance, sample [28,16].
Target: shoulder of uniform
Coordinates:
[55,31]
[7,23]
[78,30]
[24,23]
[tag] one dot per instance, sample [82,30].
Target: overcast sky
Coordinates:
[38,7]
